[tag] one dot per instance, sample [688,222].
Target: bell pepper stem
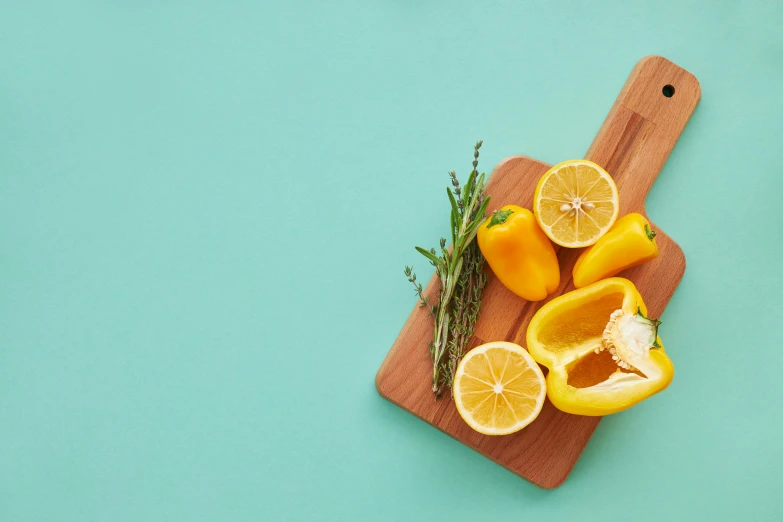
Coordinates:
[655,323]
[650,232]
[499,217]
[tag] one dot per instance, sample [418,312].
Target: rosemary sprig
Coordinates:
[460,272]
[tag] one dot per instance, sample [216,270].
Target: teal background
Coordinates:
[206,207]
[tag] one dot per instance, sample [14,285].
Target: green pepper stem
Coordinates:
[655,323]
[499,217]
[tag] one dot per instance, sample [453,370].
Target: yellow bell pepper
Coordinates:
[603,354]
[519,253]
[628,243]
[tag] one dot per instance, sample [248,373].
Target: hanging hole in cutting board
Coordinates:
[668,90]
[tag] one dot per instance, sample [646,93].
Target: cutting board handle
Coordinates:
[644,125]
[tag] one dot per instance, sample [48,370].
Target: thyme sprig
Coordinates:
[461,277]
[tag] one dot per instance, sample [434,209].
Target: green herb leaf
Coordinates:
[429,255]
[467,191]
[480,213]
[454,218]
[478,187]
[454,207]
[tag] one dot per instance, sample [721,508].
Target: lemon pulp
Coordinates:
[575,203]
[498,388]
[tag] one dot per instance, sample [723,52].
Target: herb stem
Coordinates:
[461,276]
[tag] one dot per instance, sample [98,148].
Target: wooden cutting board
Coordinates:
[632,145]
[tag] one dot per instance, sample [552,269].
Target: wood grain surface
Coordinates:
[632,145]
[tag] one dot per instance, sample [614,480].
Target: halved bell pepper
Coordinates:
[628,243]
[519,252]
[603,352]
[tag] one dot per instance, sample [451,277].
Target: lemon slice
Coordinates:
[498,388]
[576,203]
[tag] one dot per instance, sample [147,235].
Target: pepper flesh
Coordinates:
[519,253]
[578,337]
[630,242]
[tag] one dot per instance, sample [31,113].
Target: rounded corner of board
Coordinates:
[515,160]
[550,483]
[379,383]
